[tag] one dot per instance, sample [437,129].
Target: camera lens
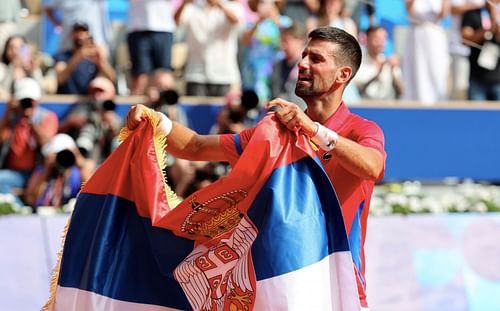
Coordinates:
[108,105]
[26,103]
[65,158]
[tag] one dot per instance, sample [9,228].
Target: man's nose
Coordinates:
[303,63]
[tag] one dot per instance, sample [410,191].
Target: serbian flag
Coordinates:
[269,236]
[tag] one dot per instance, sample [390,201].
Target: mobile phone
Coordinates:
[25,53]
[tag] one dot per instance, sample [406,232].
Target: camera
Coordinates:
[65,159]
[26,103]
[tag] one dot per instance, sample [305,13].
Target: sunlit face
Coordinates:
[291,46]
[80,37]
[317,69]
[376,41]
[13,50]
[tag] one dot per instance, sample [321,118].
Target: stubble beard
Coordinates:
[304,91]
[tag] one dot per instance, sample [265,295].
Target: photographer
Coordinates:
[24,128]
[60,178]
[77,67]
[98,137]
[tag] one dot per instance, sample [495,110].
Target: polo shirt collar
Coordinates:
[338,118]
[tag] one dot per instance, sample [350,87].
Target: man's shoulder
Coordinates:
[358,123]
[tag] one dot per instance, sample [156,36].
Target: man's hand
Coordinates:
[292,116]
[134,116]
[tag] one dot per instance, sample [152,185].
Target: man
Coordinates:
[379,76]
[481,28]
[459,52]
[212,36]
[24,128]
[284,76]
[150,29]
[351,148]
[75,68]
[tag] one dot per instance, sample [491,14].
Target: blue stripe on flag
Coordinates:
[303,227]
[355,239]
[237,142]
[112,251]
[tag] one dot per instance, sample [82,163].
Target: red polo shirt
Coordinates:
[354,193]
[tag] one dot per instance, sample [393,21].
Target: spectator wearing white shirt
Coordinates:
[379,76]
[212,29]
[150,37]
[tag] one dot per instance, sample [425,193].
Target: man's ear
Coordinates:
[344,74]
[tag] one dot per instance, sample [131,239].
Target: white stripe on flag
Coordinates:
[328,285]
[72,299]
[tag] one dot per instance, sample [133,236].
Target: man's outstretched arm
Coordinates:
[182,142]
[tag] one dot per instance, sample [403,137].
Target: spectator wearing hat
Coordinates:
[61,175]
[24,128]
[100,90]
[75,68]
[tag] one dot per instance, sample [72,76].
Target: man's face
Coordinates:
[291,46]
[80,38]
[376,41]
[317,69]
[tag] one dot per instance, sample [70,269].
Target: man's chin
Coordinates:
[304,92]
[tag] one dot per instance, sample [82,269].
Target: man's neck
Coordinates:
[322,108]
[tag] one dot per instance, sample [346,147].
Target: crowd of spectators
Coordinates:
[244,51]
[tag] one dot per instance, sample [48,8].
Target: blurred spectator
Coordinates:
[99,137]
[426,60]
[60,177]
[212,38]
[379,77]
[241,112]
[300,10]
[261,43]
[480,27]
[285,70]
[24,128]
[332,13]
[75,68]
[66,13]
[150,37]
[356,8]
[168,104]
[100,91]
[459,52]
[9,15]
[17,62]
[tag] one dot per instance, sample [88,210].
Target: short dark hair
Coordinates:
[372,29]
[80,26]
[296,30]
[348,52]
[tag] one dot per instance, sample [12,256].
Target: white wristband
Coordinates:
[325,138]
[165,124]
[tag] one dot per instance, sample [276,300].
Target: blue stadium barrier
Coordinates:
[423,143]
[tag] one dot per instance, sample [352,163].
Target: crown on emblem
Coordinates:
[214,216]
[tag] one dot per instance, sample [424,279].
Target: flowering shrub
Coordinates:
[413,197]
[8,204]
